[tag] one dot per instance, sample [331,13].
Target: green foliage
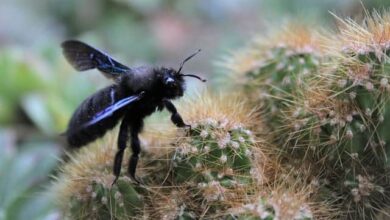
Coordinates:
[18,78]
[47,98]
[51,108]
[23,169]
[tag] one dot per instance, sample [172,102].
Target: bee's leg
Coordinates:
[176,118]
[122,140]
[136,128]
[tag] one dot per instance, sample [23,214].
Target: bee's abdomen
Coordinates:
[78,134]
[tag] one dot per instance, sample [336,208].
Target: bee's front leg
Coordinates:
[176,117]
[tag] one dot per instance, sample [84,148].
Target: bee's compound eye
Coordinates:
[169,80]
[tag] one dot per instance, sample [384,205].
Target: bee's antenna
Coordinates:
[195,76]
[186,59]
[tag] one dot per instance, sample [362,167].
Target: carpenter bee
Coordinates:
[136,93]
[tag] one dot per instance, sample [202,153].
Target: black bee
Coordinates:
[136,93]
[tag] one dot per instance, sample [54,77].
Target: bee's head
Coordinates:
[173,80]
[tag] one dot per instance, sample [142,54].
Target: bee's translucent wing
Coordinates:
[107,112]
[84,57]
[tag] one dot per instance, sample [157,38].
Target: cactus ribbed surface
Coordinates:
[215,153]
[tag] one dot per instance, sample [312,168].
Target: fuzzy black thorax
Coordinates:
[136,94]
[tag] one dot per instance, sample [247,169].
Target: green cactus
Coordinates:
[84,188]
[214,153]
[362,192]
[263,209]
[351,117]
[211,164]
[331,109]
[279,75]
[260,210]
[340,123]
[121,201]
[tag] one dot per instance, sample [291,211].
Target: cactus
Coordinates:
[84,189]
[220,145]
[343,115]
[340,120]
[120,201]
[361,193]
[334,118]
[216,158]
[212,163]
[214,153]
[283,208]
[276,67]
[290,196]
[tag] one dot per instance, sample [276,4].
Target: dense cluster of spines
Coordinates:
[84,186]
[100,201]
[281,70]
[213,164]
[337,121]
[358,126]
[270,208]
[214,153]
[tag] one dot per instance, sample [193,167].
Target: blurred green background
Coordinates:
[39,90]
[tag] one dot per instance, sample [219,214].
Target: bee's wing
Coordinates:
[107,112]
[84,57]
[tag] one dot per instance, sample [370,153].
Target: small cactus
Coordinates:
[342,117]
[329,108]
[269,210]
[363,193]
[84,188]
[288,198]
[169,204]
[215,161]
[214,153]
[344,111]
[279,66]
[120,201]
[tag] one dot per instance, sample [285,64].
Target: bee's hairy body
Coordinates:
[136,94]
[152,101]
